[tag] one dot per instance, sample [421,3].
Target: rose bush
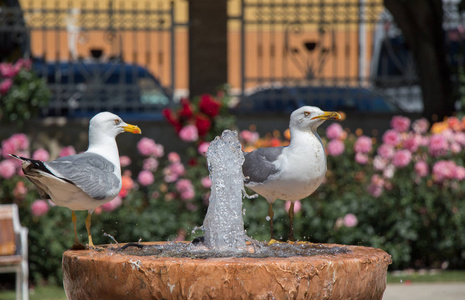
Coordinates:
[402,191]
[22,92]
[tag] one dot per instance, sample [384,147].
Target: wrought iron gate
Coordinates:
[339,54]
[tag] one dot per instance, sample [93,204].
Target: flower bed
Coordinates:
[402,192]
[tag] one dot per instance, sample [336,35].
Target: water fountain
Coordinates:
[224,266]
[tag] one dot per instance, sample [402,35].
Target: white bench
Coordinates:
[13,248]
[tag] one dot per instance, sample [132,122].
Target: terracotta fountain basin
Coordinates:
[358,274]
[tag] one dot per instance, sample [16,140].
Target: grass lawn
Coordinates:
[57,293]
[39,293]
[425,276]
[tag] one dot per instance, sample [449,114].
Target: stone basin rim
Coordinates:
[355,252]
[360,274]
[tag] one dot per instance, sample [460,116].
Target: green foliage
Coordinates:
[22,92]
[419,220]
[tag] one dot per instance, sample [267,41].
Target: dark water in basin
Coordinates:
[254,250]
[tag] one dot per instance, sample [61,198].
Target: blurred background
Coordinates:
[186,70]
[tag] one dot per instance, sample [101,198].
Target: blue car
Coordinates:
[289,98]
[84,88]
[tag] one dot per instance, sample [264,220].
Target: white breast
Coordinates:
[303,168]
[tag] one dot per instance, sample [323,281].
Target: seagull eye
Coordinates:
[117,122]
[306,113]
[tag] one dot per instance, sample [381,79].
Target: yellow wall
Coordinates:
[265,51]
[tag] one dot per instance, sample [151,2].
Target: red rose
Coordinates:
[209,105]
[203,125]
[171,118]
[192,162]
[186,110]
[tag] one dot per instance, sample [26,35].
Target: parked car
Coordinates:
[286,99]
[84,88]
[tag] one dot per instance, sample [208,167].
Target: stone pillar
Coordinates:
[207,45]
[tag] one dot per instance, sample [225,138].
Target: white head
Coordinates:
[108,124]
[308,118]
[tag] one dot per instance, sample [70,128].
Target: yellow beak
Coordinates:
[132,129]
[328,115]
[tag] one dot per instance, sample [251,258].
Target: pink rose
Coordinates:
[8,147]
[334,131]
[401,158]
[203,148]
[158,150]
[41,154]
[174,157]
[420,126]
[145,178]
[400,124]
[188,194]
[206,182]
[459,138]
[386,151]
[412,143]
[7,70]
[150,164]
[444,169]
[389,171]
[335,147]
[23,63]
[39,208]
[379,163]
[438,145]
[297,206]
[5,86]
[21,141]
[124,161]
[20,190]
[455,148]
[421,168]
[350,220]
[7,169]
[169,177]
[363,144]
[448,134]
[375,190]
[113,204]
[249,137]
[189,133]
[184,185]
[177,168]
[146,146]
[460,173]
[376,186]
[67,151]
[361,158]
[391,137]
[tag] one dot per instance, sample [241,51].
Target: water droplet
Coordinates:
[268,218]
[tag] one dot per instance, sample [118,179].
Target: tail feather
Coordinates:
[30,168]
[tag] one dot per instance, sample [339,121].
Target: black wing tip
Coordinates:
[20,157]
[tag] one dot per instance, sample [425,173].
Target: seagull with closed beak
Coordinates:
[293,172]
[87,180]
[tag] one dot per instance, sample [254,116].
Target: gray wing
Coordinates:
[258,164]
[89,171]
